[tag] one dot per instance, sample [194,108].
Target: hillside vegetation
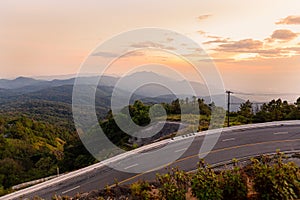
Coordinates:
[37,138]
[265,178]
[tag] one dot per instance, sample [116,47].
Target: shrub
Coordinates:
[173,185]
[141,190]
[274,179]
[206,184]
[234,184]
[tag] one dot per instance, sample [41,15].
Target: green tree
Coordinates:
[246,112]
[298,103]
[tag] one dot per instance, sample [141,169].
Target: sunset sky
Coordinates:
[254,44]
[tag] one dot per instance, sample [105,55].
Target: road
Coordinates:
[231,144]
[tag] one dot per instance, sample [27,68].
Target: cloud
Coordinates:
[272,53]
[115,55]
[283,34]
[203,17]
[217,60]
[254,47]
[294,49]
[201,32]
[216,41]
[148,44]
[106,54]
[290,20]
[241,45]
[214,37]
[169,39]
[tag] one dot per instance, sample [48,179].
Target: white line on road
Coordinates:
[70,190]
[180,150]
[280,133]
[229,139]
[131,166]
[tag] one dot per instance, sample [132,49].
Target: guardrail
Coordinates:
[101,164]
[288,154]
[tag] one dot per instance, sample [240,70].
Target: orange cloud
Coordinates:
[290,20]
[152,44]
[203,17]
[283,34]
[253,49]
[216,41]
[241,45]
[201,32]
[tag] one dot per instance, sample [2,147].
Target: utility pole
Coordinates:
[228,106]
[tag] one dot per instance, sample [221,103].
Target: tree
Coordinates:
[194,100]
[175,107]
[298,103]
[246,112]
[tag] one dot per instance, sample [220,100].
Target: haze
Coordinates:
[255,44]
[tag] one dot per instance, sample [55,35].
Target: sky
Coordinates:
[255,44]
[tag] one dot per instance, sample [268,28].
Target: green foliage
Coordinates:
[274,179]
[32,149]
[277,110]
[229,184]
[141,191]
[246,112]
[234,184]
[206,184]
[174,185]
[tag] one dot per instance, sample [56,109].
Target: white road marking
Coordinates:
[229,139]
[280,133]
[70,190]
[131,166]
[180,150]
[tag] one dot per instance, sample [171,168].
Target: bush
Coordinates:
[141,190]
[173,185]
[274,179]
[206,184]
[234,184]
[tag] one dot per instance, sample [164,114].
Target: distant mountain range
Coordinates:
[60,90]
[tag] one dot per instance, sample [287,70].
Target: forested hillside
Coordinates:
[32,149]
[38,136]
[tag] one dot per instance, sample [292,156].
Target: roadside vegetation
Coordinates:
[39,140]
[265,178]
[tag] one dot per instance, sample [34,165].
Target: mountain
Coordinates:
[152,85]
[18,82]
[137,82]
[24,85]
[157,90]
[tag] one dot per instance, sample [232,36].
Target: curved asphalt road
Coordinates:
[231,144]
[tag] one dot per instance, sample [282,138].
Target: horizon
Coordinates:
[257,98]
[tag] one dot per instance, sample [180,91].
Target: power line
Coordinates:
[266,94]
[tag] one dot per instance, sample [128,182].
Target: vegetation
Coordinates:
[38,137]
[275,110]
[265,178]
[274,179]
[31,149]
[173,185]
[188,111]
